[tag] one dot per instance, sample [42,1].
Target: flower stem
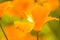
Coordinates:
[37,36]
[3,32]
[35,1]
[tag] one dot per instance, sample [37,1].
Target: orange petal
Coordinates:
[11,11]
[22,4]
[2,6]
[13,33]
[54,4]
[18,7]
[40,13]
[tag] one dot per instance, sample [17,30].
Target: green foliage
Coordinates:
[1,1]
[45,32]
[55,27]
[15,18]
[55,13]
[48,32]
[6,20]
[35,33]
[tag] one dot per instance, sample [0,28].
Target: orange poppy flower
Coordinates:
[39,15]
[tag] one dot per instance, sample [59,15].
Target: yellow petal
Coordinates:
[24,26]
[50,19]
